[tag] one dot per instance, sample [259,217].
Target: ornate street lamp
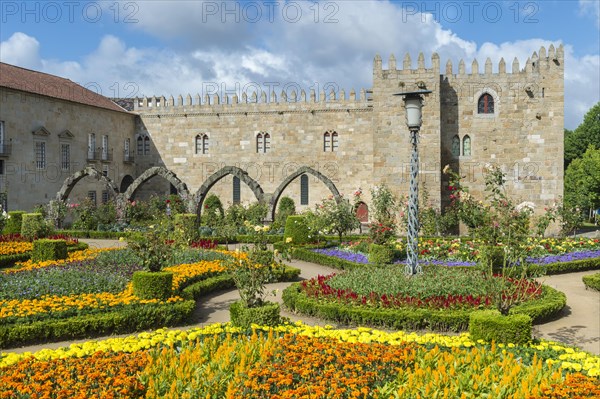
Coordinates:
[413,102]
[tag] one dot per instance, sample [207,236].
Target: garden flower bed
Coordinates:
[91,293]
[298,360]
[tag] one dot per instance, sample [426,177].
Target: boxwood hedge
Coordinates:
[550,303]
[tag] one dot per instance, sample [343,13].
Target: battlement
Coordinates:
[537,63]
[216,102]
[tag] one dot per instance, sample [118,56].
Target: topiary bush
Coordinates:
[13,223]
[592,281]
[153,285]
[381,254]
[490,325]
[213,213]
[244,317]
[285,208]
[296,229]
[186,231]
[49,250]
[34,226]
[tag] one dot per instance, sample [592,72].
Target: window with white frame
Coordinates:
[201,144]
[65,157]
[40,155]
[105,196]
[263,142]
[330,141]
[105,147]
[92,146]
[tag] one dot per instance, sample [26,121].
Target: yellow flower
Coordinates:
[288,240]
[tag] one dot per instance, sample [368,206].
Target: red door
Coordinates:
[362,212]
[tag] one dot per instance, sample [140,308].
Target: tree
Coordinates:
[577,141]
[582,180]
[336,216]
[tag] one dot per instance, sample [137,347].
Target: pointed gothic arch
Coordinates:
[72,180]
[221,173]
[301,171]
[166,174]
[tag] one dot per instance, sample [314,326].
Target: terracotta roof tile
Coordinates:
[44,84]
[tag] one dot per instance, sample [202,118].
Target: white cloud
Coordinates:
[590,8]
[21,49]
[203,53]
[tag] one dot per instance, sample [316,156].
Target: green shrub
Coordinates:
[10,260]
[296,229]
[126,320]
[48,250]
[256,213]
[13,223]
[186,230]
[153,285]
[285,208]
[592,281]
[380,254]
[244,317]
[34,226]
[490,325]
[212,214]
[551,302]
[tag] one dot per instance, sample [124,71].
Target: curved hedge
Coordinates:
[126,320]
[551,302]
[592,281]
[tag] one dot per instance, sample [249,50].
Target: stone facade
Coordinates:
[29,118]
[524,134]
[199,145]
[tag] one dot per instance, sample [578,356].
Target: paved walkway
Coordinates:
[578,324]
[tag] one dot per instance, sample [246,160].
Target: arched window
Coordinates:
[205,144]
[237,194]
[334,141]
[455,146]
[140,146]
[263,142]
[259,143]
[467,146]
[198,144]
[485,104]
[304,190]
[326,142]
[146,145]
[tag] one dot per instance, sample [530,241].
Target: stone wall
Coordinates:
[29,118]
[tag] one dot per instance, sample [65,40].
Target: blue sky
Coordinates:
[163,48]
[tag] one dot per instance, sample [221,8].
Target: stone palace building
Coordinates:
[61,141]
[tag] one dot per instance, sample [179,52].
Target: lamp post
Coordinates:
[413,102]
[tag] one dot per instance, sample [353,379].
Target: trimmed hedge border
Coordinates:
[550,304]
[224,281]
[592,281]
[127,320]
[305,254]
[7,261]
[490,325]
